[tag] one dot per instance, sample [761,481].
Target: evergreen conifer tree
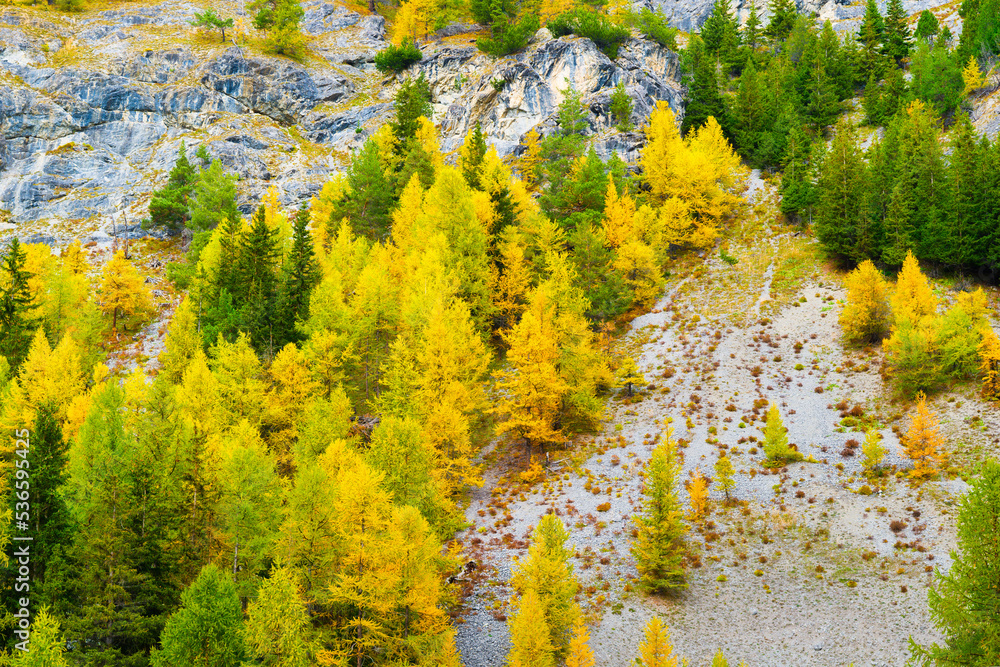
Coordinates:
[659,547]
[965,602]
[17,325]
[300,273]
[896,39]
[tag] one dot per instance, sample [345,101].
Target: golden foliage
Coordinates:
[972,76]
[923,443]
[655,650]
[123,291]
[698,493]
[989,353]
[580,654]
[530,160]
[865,317]
[913,299]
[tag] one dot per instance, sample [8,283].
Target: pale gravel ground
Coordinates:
[802,620]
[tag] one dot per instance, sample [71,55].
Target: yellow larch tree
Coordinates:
[619,216]
[865,317]
[532,388]
[181,342]
[47,376]
[629,374]
[636,263]
[663,148]
[553,8]
[451,362]
[618,11]
[580,654]
[198,397]
[242,386]
[674,219]
[74,259]
[548,573]
[989,354]
[655,650]
[529,636]
[291,388]
[412,17]
[923,443]
[727,168]
[972,76]
[427,137]
[530,160]
[411,204]
[123,291]
[912,300]
[698,493]
[703,172]
[511,283]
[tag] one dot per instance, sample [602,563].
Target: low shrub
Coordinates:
[397,58]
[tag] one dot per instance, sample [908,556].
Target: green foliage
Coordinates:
[412,100]
[170,207]
[896,41]
[704,97]
[980,30]
[280,19]
[298,278]
[607,293]
[207,629]
[964,602]
[659,547]
[776,447]
[70,5]
[783,13]
[621,108]
[209,20]
[937,77]
[277,630]
[213,199]
[840,202]
[121,576]
[927,26]
[595,26]
[511,26]
[397,58]
[17,323]
[653,25]
[371,197]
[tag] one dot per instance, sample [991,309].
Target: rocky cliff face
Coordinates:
[93,108]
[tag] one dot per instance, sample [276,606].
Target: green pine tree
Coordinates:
[300,273]
[473,159]
[659,548]
[896,40]
[17,323]
[214,198]
[169,207]
[256,268]
[704,97]
[965,602]
[927,26]
[412,100]
[371,196]
[840,193]
[783,14]
[208,627]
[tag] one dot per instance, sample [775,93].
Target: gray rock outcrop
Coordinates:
[93,107]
